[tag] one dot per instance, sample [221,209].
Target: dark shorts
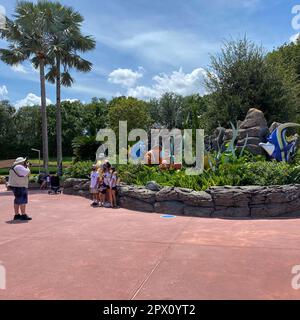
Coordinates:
[102,191]
[114,188]
[21,195]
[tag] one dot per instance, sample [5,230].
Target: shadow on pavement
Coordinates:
[9,193]
[16,222]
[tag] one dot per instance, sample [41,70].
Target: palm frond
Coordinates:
[75,61]
[12,57]
[52,74]
[66,79]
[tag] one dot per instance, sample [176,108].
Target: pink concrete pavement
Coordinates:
[72,251]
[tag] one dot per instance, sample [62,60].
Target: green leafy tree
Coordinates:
[240,78]
[28,124]
[132,110]
[286,61]
[95,116]
[7,129]
[194,112]
[171,107]
[175,111]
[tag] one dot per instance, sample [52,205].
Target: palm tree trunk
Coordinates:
[58,118]
[44,117]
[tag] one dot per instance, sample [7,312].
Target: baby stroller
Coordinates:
[54,185]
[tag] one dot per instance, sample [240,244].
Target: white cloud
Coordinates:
[3,92]
[30,100]
[144,92]
[178,82]
[125,77]
[19,68]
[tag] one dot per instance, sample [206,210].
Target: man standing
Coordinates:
[18,182]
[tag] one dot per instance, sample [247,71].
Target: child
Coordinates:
[102,190]
[114,181]
[94,185]
[106,182]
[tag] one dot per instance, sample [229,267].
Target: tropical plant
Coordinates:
[247,170]
[79,170]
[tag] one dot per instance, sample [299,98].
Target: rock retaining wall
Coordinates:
[227,202]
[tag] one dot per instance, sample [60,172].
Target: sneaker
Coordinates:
[94,204]
[107,205]
[24,217]
[17,217]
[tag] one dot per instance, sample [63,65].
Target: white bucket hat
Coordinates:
[19,161]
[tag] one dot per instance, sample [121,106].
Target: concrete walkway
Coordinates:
[72,251]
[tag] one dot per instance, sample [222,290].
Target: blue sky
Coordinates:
[145,48]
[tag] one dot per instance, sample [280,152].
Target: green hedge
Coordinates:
[239,174]
[34,170]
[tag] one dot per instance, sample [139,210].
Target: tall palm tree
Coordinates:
[28,39]
[66,41]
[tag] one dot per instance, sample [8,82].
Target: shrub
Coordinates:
[265,173]
[84,148]
[294,175]
[234,174]
[79,170]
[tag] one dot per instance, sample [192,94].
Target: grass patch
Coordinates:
[34,170]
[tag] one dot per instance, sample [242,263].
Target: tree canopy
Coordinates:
[241,77]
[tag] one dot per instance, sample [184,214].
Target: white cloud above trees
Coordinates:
[178,82]
[30,100]
[125,77]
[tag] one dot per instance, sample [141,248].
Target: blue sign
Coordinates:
[167,216]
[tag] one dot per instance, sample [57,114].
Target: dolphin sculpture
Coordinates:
[277,145]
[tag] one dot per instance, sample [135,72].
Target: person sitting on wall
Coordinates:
[43,180]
